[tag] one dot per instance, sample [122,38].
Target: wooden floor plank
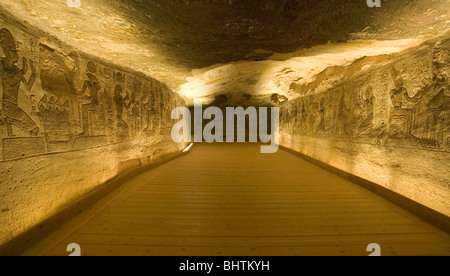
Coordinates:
[228,199]
[272,241]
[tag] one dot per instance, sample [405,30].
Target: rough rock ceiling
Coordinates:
[169,38]
[201,33]
[250,83]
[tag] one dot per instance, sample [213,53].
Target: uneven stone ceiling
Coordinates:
[168,39]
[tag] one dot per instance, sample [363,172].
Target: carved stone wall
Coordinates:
[390,124]
[68,123]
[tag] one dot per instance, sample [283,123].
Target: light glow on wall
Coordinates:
[188,148]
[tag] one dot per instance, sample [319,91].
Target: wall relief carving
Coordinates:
[54,101]
[405,104]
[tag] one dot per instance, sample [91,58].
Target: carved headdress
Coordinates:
[398,76]
[7,41]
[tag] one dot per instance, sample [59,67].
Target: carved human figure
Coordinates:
[403,111]
[135,112]
[162,108]
[147,106]
[437,127]
[92,84]
[368,105]
[298,120]
[289,118]
[342,116]
[313,117]
[120,104]
[156,110]
[400,97]
[321,128]
[12,77]
[441,101]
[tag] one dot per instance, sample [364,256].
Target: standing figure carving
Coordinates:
[92,84]
[366,126]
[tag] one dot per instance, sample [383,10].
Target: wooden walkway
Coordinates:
[228,199]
